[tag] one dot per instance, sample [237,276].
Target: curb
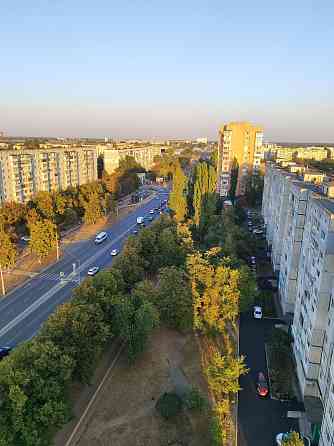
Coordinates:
[22,284]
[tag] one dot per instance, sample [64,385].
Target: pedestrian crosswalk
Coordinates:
[66,277]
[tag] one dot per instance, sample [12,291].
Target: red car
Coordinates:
[262,385]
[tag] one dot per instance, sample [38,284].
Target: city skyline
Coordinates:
[176,70]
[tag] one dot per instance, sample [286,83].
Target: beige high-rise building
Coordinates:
[240,142]
[24,172]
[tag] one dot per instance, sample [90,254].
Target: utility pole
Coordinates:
[2,281]
[57,246]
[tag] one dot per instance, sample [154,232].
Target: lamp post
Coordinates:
[2,281]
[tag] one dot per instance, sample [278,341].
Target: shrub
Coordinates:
[169,405]
[195,401]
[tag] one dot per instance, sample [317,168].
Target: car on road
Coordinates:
[282,437]
[101,237]
[4,351]
[114,252]
[262,385]
[152,211]
[134,232]
[257,312]
[92,271]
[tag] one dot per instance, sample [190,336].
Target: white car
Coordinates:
[152,211]
[285,436]
[257,231]
[114,252]
[253,260]
[93,271]
[257,312]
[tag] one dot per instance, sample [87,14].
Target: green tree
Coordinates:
[34,383]
[7,250]
[130,263]
[174,298]
[135,319]
[80,331]
[43,235]
[205,180]
[234,178]
[178,196]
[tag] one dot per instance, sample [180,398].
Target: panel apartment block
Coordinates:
[242,142]
[314,286]
[144,156]
[25,172]
[300,193]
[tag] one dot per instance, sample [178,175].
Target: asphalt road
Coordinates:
[259,420]
[25,309]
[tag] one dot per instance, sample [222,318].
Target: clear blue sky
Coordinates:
[167,69]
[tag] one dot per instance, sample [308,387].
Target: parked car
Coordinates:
[114,252]
[92,271]
[262,385]
[4,351]
[257,312]
[134,232]
[25,239]
[285,436]
[150,218]
[257,231]
[253,260]
[152,211]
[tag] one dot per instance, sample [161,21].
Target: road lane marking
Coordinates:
[49,294]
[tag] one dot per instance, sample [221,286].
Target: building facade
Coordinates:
[26,172]
[306,279]
[144,155]
[239,143]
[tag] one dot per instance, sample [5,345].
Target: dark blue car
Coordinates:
[4,351]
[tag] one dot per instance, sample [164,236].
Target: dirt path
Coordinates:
[124,414]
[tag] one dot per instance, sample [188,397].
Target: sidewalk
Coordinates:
[28,265]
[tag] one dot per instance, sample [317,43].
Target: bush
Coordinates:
[169,405]
[216,431]
[195,401]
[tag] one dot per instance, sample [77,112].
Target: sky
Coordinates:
[145,69]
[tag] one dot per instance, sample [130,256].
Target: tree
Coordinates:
[223,373]
[80,331]
[169,405]
[7,250]
[34,394]
[178,197]
[205,180]
[174,298]
[130,263]
[293,439]
[43,203]
[234,178]
[43,235]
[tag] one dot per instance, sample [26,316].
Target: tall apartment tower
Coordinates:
[242,142]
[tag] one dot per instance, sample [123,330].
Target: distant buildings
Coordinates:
[240,142]
[144,155]
[24,172]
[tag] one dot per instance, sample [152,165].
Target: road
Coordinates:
[259,420]
[25,309]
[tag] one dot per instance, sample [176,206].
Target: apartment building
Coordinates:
[25,172]
[299,195]
[315,278]
[144,155]
[306,280]
[240,142]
